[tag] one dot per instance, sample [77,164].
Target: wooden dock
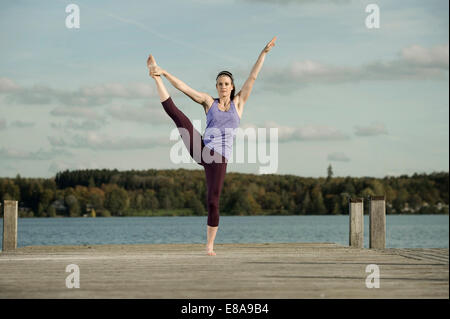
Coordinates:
[275,270]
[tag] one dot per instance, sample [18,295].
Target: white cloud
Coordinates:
[8,85]
[15,154]
[132,91]
[84,96]
[414,63]
[306,133]
[338,157]
[22,124]
[87,125]
[96,141]
[19,124]
[145,115]
[435,57]
[57,141]
[37,94]
[80,112]
[371,130]
[58,166]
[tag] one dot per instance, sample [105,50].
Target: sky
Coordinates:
[367,101]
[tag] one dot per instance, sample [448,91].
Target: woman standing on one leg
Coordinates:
[223,114]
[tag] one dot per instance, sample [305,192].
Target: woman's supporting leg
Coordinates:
[215,175]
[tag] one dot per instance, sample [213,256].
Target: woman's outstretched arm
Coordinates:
[248,85]
[199,97]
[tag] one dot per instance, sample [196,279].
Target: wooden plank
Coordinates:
[356,219]
[278,270]
[377,222]
[9,225]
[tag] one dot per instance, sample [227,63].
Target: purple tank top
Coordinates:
[221,128]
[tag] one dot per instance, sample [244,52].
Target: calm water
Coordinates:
[403,231]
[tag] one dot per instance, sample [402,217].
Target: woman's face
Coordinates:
[224,86]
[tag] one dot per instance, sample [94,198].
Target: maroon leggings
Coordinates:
[215,164]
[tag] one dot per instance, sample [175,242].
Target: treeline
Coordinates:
[131,193]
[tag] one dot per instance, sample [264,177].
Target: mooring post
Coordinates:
[377,222]
[9,225]
[356,208]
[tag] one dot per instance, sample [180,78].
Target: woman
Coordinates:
[223,117]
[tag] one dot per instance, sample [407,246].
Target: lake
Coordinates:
[402,231]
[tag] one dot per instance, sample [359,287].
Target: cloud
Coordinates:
[435,57]
[79,112]
[87,125]
[14,154]
[306,133]
[8,85]
[96,141]
[58,166]
[131,91]
[37,94]
[371,130]
[414,63]
[145,115]
[338,157]
[57,141]
[22,124]
[85,96]
[18,123]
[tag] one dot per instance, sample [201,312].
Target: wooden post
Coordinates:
[356,208]
[377,222]
[9,225]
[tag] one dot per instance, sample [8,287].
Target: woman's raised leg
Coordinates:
[162,91]
[191,137]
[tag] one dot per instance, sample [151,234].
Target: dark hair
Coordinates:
[232,81]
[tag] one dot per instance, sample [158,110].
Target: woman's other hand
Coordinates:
[156,71]
[270,45]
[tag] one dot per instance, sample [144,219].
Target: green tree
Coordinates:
[51,212]
[336,208]
[9,190]
[306,204]
[116,201]
[318,206]
[72,203]
[329,173]
[272,201]
[196,206]
[91,182]
[150,200]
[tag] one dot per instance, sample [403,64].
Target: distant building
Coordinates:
[59,206]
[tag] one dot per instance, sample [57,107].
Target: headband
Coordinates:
[225,73]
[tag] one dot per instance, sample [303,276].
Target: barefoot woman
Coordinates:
[223,117]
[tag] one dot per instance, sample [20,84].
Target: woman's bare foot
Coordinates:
[151,64]
[210,235]
[151,61]
[210,251]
